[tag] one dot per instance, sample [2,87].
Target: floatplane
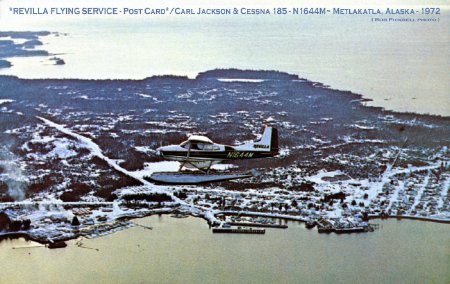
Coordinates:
[200,153]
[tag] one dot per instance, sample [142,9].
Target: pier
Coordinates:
[262,225]
[238,230]
[350,230]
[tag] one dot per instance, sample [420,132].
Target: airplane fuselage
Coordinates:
[200,152]
[177,153]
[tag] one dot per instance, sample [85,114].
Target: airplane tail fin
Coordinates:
[269,140]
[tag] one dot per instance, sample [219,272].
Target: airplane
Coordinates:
[201,153]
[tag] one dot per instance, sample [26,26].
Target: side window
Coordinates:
[216,148]
[211,147]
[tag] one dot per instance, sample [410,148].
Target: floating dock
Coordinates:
[193,178]
[238,231]
[350,230]
[247,224]
[325,230]
[338,230]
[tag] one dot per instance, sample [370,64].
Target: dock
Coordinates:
[325,230]
[238,231]
[346,230]
[248,224]
[350,230]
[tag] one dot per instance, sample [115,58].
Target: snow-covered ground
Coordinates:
[93,145]
[5,101]
[412,190]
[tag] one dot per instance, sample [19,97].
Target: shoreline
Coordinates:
[144,253]
[359,98]
[400,217]
[299,219]
[29,237]
[317,84]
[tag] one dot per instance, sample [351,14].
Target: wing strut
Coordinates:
[186,160]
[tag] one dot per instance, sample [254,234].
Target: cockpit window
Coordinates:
[185,144]
[192,145]
[199,146]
